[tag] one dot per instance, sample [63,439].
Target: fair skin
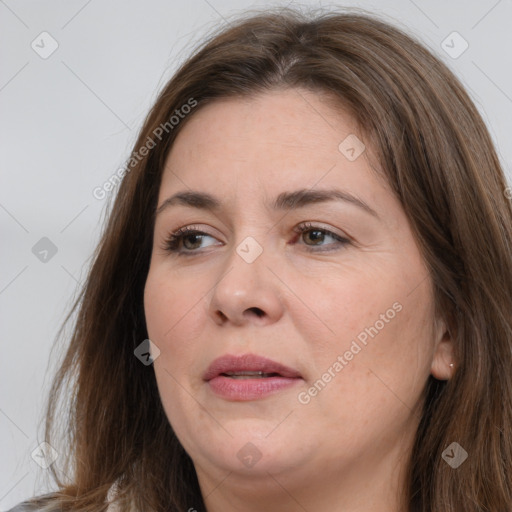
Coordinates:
[302,302]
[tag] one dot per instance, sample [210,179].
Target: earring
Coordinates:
[451,365]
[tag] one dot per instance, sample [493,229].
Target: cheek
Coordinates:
[376,385]
[174,317]
[170,301]
[381,330]
[344,307]
[174,323]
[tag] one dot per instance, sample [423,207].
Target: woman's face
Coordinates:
[338,318]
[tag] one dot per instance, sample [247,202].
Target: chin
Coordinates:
[254,449]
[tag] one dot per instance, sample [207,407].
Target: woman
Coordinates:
[313,231]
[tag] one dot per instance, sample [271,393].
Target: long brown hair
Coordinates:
[438,157]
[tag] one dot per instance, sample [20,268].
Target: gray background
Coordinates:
[68,122]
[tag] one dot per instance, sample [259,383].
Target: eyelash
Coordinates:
[172,242]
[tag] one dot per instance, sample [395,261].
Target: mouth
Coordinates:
[248,366]
[248,377]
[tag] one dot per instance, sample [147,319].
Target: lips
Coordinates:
[248,377]
[248,366]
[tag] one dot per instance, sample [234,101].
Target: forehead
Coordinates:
[298,119]
[275,141]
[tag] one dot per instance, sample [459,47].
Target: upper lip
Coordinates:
[248,363]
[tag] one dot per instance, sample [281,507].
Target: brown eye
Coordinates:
[313,236]
[195,237]
[185,241]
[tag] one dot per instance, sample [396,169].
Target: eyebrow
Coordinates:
[284,201]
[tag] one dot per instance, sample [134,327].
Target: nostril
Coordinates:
[257,311]
[222,316]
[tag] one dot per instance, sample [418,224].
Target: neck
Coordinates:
[374,485]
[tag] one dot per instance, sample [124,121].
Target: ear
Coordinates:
[443,355]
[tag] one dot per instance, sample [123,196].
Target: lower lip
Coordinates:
[249,389]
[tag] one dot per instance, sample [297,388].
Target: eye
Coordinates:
[187,241]
[187,236]
[317,234]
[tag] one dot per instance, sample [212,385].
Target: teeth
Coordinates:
[248,375]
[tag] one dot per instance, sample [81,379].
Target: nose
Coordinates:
[247,292]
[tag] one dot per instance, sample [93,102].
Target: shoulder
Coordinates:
[35,504]
[25,507]
[50,503]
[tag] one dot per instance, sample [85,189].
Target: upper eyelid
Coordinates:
[188,228]
[320,226]
[302,227]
